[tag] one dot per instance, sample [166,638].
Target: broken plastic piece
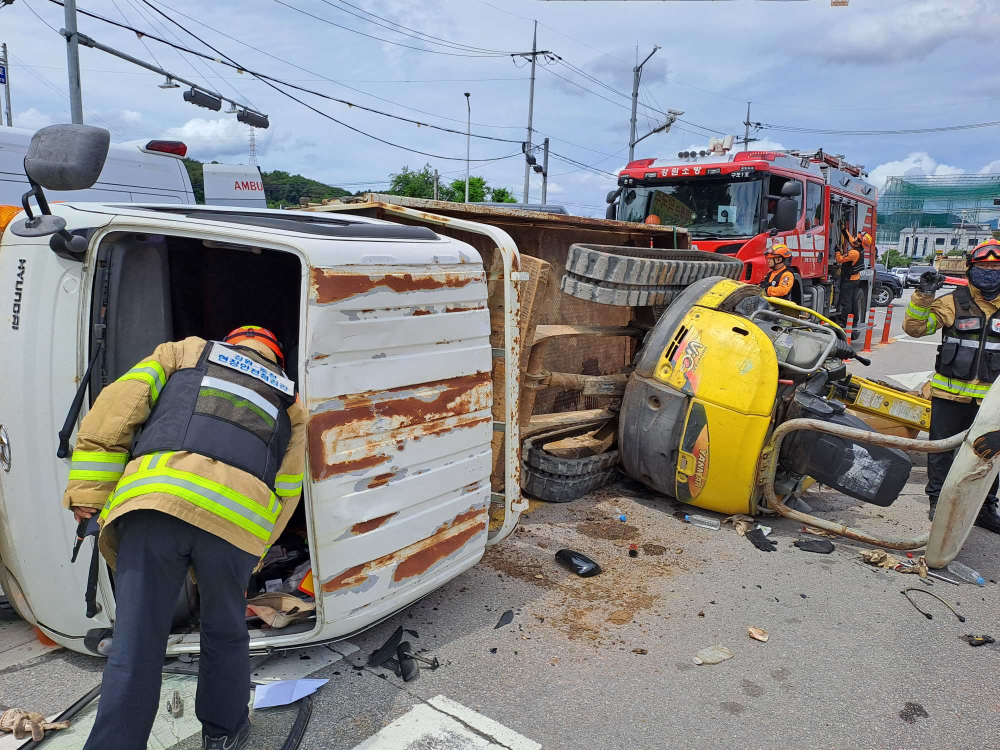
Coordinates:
[713,655]
[758,634]
[979,640]
[176,706]
[388,649]
[819,546]
[578,562]
[408,667]
[505,619]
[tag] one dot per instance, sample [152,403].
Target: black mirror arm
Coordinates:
[74,409]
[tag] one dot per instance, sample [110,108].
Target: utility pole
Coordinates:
[545,173]
[636,75]
[531,110]
[73,63]
[746,136]
[6,83]
[468,140]
[435,184]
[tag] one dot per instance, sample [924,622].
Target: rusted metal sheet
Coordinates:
[334,284]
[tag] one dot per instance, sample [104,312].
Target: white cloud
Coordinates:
[992,168]
[223,137]
[916,163]
[32,119]
[555,188]
[131,116]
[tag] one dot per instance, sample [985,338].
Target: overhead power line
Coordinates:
[898,131]
[388,41]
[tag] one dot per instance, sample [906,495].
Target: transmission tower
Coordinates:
[253,147]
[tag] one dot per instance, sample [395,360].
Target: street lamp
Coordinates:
[468,142]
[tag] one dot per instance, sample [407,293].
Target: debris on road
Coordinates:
[965,573]
[505,619]
[285,692]
[23,723]
[819,546]
[578,562]
[759,540]
[633,550]
[879,557]
[409,670]
[817,532]
[906,592]
[176,706]
[713,655]
[913,711]
[978,640]
[741,523]
[388,649]
[702,522]
[643,652]
[758,634]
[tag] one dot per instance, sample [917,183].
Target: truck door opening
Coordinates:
[153,288]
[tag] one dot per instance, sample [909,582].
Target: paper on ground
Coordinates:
[285,692]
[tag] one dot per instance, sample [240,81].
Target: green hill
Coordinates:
[281,188]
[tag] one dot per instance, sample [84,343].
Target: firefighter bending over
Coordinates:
[211,482]
[968,358]
[779,280]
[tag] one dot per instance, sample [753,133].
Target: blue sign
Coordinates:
[3,75]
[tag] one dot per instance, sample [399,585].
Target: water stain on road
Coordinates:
[752,689]
[913,711]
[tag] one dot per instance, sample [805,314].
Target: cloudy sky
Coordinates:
[875,65]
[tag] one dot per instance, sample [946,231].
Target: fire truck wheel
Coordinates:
[537,457]
[637,277]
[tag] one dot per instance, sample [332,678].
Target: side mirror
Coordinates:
[67,157]
[612,212]
[60,157]
[612,194]
[786,215]
[791,189]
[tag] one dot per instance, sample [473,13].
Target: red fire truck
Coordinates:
[729,204]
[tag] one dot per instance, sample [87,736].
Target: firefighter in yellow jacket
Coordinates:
[779,280]
[209,483]
[968,358]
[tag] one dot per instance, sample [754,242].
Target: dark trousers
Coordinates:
[947,418]
[847,302]
[154,555]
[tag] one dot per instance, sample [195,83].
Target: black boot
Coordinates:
[988,517]
[932,501]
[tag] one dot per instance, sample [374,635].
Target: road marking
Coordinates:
[912,380]
[903,338]
[444,724]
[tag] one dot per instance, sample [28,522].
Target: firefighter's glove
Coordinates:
[987,445]
[930,282]
[23,723]
[760,541]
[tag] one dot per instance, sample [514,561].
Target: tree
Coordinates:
[502,195]
[894,259]
[478,190]
[413,183]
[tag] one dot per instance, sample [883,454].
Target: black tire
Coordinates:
[537,457]
[636,277]
[883,296]
[556,488]
[862,318]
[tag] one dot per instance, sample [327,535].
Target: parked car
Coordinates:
[913,275]
[900,273]
[887,287]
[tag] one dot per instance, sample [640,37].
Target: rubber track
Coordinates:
[555,488]
[625,276]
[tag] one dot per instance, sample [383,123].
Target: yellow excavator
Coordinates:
[738,402]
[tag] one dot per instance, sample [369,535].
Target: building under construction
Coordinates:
[916,201]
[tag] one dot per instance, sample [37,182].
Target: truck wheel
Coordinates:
[636,277]
[558,488]
[859,305]
[883,296]
[560,480]
[536,457]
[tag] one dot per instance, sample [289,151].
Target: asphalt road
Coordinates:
[606,662]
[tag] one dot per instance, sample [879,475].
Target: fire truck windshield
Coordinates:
[706,206]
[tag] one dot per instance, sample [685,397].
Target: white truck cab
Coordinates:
[386,329]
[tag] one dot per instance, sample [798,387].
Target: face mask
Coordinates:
[986,281]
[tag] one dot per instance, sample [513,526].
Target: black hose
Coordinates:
[928,615]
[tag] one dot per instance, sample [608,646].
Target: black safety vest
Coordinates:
[774,277]
[232,406]
[970,347]
[848,269]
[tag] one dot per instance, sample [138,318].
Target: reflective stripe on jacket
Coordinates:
[205,492]
[925,316]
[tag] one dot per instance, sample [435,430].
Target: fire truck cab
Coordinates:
[729,205]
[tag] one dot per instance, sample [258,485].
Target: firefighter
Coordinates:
[967,360]
[851,257]
[210,483]
[779,280]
